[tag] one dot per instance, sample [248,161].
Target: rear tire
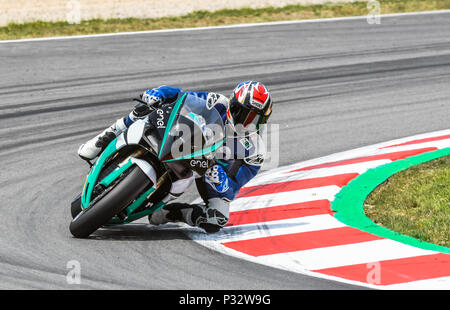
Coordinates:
[127,190]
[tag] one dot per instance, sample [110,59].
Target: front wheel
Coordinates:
[75,206]
[92,218]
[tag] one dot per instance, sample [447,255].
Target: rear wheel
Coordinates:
[123,193]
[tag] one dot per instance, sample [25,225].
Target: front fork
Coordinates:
[131,214]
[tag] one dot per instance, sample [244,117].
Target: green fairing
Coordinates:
[114,174]
[135,216]
[139,201]
[95,172]
[138,215]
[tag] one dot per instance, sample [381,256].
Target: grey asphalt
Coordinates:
[336,86]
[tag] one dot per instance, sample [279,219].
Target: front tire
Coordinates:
[75,206]
[92,218]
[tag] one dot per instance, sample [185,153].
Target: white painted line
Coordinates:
[275,228]
[358,168]
[358,152]
[334,19]
[430,284]
[278,199]
[440,144]
[349,254]
[416,137]
[281,176]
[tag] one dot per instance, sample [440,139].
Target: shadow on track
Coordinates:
[139,232]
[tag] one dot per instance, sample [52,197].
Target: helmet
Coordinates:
[250,106]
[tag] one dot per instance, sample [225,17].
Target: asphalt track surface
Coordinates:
[336,86]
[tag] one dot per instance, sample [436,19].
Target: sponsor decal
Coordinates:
[199,163]
[160,119]
[246,143]
[256,104]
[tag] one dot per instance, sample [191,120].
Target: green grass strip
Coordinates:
[216,18]
[349,202]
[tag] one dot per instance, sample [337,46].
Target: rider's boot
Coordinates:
[211,219]
[96,145]
[175,212]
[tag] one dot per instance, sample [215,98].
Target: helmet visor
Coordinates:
[244,117]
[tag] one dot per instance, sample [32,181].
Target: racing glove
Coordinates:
[153,97]
[217,178]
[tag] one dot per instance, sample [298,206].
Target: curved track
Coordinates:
[336,85]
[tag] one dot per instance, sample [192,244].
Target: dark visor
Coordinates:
[241,114]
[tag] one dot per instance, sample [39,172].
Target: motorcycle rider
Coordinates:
[249,106]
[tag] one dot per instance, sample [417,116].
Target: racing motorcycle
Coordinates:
[137,169]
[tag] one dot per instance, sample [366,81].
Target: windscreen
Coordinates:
[193,130]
